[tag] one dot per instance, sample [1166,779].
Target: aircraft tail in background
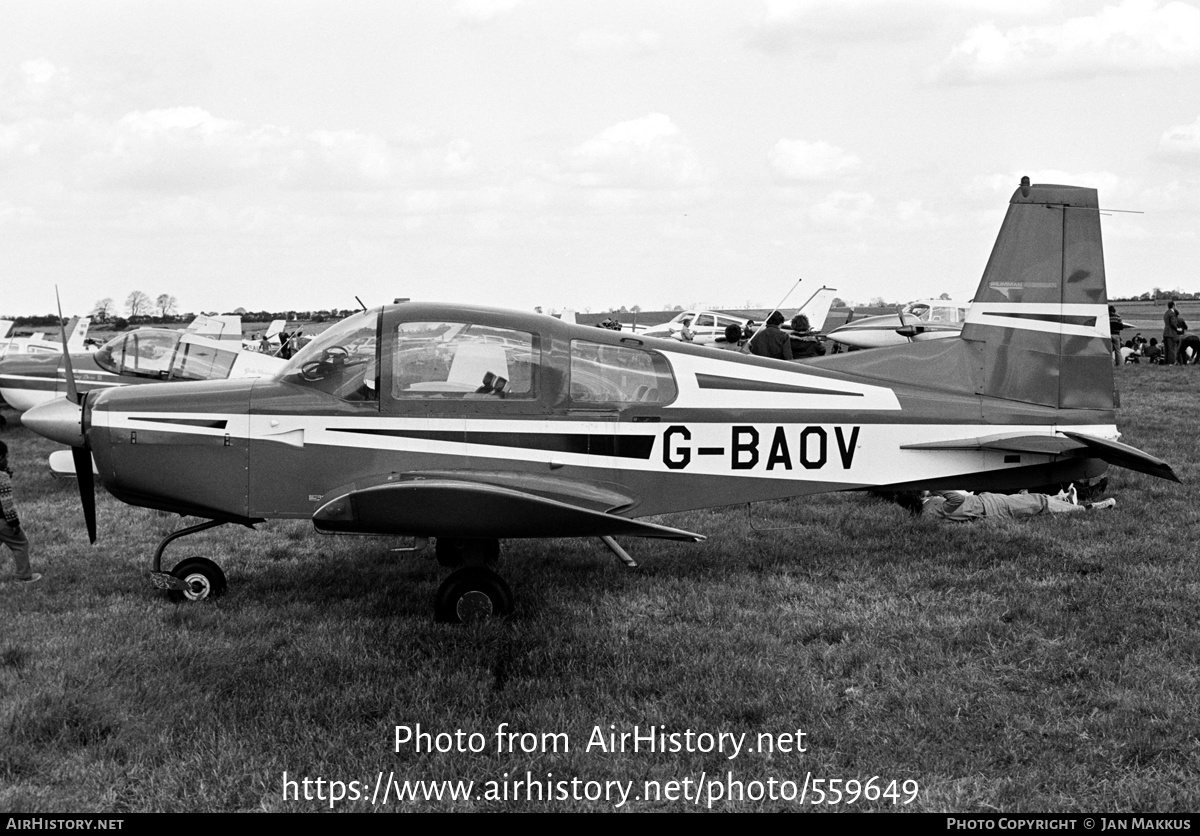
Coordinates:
[817,307]
[77,330]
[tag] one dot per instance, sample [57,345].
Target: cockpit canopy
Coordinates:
[442,359]
[166,354]
[941,312]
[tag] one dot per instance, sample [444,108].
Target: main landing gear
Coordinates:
[473,591]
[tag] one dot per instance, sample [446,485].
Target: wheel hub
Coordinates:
[475,606]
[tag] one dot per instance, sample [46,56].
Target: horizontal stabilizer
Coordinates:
[1071,443]
[459,508]
[1122,455]
[1046,445]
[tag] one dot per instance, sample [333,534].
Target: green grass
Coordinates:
[1039,665]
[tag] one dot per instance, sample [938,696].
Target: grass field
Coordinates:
[1050,664]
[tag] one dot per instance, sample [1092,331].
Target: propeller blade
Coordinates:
[87,488]
[72,391]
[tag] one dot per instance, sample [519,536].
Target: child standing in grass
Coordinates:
[11,534]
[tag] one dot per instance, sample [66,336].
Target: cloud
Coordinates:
[798,160]
[786,25]
[645,153]
[601,41]
[1182,143]
[1134,36]
[187,149]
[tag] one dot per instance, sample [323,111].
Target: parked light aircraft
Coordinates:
[206,350]
[925,319]
[36,343]
[472,424]
[708,327]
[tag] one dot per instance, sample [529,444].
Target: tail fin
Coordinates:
[1039,319]
[817,307]
[1037,330]
[77,330]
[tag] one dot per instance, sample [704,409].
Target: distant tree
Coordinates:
[636,309]
[137,303]
[166,304]
[838,302]
[119,324]
[103,309]
[944,296]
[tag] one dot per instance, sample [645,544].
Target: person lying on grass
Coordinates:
[964,506]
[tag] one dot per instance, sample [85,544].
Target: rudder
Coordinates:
[1040,314]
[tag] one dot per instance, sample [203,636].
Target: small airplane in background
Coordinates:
[270,341]
[709,327]
[208,349]
[472,425]
[36,343]
[925,319]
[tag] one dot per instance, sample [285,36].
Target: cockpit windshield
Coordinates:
[919,310]
[341,361]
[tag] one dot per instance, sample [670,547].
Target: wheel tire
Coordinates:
[204,579]
[472,594]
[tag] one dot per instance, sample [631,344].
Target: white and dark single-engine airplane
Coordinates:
[208,349]
[924,319]
[473,425]
[36,343]
[709,327]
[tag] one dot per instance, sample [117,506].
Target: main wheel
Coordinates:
[204,580]
[474,593]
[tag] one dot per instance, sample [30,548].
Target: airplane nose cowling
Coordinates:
[58,420]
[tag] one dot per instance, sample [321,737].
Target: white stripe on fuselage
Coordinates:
[863,453]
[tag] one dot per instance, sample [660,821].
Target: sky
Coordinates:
[291,154]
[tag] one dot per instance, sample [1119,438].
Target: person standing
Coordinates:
[1173,329]
[11,534]
[1115,326]
[770,341]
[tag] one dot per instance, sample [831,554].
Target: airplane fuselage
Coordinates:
[723,428]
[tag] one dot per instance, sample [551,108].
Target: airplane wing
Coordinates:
[462,507]
[1069,443]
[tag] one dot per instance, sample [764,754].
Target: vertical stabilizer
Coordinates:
[77,330]
[1040,316]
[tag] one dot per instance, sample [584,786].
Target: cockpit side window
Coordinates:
[610,374]
[197,361]
[463,361]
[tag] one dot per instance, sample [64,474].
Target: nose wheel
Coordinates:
[200,580]
[472,594]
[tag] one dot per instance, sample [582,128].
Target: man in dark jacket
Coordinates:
[770,341]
